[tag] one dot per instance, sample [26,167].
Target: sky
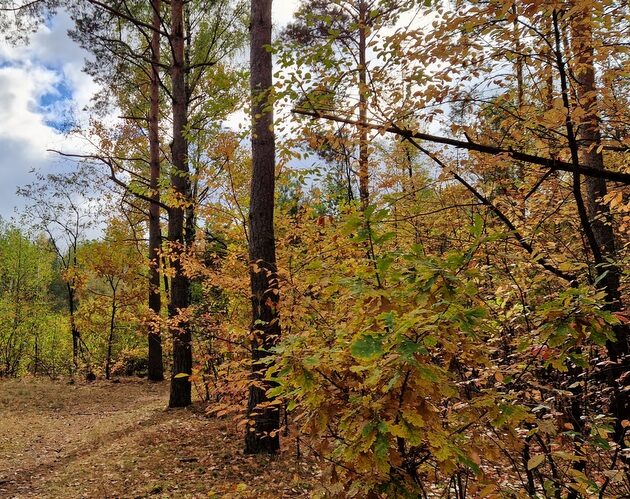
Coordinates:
[41,85]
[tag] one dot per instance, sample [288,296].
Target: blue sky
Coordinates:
[42,90]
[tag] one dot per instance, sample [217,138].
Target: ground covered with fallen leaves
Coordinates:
[107,440]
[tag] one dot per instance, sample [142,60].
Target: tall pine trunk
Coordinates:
[598,211]
[262,432]
[364,172]
[155,364]
[180,182]
[189,213]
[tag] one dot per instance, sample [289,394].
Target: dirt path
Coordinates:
[118,440]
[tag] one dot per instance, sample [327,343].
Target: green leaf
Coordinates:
[535,461]
[367,347]
[384,263]
[478,225]
[390,320]
[408,348]
[469,462]
[430,341]
[427,373]
[381,447]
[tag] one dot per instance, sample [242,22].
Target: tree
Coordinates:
[341,34]
[155,364]
[62,207]
[262,432]
[193,60]
[545,110]
[117,53]
[180,182]
[27,270]
[19,19]
[112,288]
[200,38]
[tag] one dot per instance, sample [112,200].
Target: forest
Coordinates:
[381,250]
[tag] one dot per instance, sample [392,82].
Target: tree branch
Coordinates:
[112,176]
[544,262]
[552,163]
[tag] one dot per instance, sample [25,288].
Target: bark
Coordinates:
[518,47]
[180,395]
[73,328]
[110,339]
[262,433]
[548,68]
[364,172]
[589,137]
[155,364]
[189,213]
[36,362]
[599,213]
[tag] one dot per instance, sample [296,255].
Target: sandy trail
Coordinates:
[118,440]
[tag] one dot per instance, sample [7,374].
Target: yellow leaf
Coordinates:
[535,461]
[487,490]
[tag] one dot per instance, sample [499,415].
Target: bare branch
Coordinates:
[551,163]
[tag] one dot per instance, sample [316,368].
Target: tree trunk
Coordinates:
[110,339]
[180,284]
[589,137]
[364,172]
[548,57]
[598,211]
[262,433]
[36,364]
[518,47]
[155,365]
[189,213]
[73,329]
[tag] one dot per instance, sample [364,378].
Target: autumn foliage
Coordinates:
[438,306]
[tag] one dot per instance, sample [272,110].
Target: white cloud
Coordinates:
[40,82]
[283,10]
[24,135]
[22,87]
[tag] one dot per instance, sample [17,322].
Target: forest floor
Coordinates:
[106,440]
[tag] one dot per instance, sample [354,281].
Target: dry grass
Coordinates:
[118,440]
